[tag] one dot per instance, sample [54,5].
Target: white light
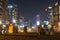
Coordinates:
[49,7]
[42,26]
[38,23]
[47,22]
[10,6]
[14,21]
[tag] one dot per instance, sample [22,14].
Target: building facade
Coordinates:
[3,10]
[56,13]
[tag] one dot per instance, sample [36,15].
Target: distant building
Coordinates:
[15,13]
[3,10]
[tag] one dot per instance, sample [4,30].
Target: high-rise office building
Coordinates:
[14,13]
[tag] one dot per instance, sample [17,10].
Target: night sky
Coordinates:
[30,8]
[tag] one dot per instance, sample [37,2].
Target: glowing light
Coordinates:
[49,7]
[47,22]
[10,6]
[42,26]
[4,25]
[38,23]
[14,21]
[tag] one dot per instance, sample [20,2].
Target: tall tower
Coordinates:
[3,10]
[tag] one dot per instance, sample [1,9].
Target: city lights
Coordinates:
[32,17]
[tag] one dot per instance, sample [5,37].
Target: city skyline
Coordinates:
[30,8]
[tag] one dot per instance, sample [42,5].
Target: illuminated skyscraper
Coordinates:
[13,13]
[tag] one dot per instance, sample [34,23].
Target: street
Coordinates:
[28,37]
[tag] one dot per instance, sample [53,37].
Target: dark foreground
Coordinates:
[28,37]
